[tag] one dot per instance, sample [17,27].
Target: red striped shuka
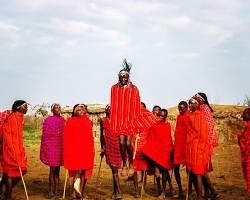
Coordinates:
[244,143]
[197,146]
[125,109]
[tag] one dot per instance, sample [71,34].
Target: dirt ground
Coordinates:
[227,178]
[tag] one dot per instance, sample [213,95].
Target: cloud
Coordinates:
[9,36]
[83,29]
[103,13]
[187,55]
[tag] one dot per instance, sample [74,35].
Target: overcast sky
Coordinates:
[71,51]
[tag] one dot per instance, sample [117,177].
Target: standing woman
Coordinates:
[14,155]
[78,149]
[51,151]
[201,97]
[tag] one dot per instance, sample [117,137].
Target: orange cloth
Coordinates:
[198,154]
[159,144]
[125,109]
[180,139]
[14,155]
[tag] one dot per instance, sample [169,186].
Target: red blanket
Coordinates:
[125,108]
[198,153]
[244,142]
[180,139]
[14,155]
[159,144]
[78,144]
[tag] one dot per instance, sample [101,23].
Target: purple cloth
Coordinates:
[51,151]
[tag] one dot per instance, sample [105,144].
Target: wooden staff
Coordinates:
[25,189]
[65,183]
[98,176]
[136,145]
[188,185]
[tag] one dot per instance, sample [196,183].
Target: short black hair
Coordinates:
[183,103]
[156,106]
[143,104]
[165,111]
[16,105]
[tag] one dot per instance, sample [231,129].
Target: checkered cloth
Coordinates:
[51,152]
[212,135]
[112,145]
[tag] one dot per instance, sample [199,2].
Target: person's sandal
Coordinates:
[77,185]
[162,196]
[118,196]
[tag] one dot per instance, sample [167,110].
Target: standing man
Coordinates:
[14,158]
[111,149]
[180,143]
[125,108]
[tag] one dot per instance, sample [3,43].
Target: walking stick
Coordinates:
[65,183]
[98,176]
[143,180]
[136,145]
[188,185]
[25,189]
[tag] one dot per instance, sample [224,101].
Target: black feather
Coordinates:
[126,66]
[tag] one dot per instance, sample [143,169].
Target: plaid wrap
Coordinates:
[112,145]
[51,151]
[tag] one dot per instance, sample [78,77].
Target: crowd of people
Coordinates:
[133,140]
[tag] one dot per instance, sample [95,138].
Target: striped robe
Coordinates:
[197,151]
[147,120]
[125,110]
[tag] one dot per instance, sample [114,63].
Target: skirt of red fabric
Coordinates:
[140,163]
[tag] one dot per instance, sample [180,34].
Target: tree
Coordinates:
[41,110]
[246,101]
